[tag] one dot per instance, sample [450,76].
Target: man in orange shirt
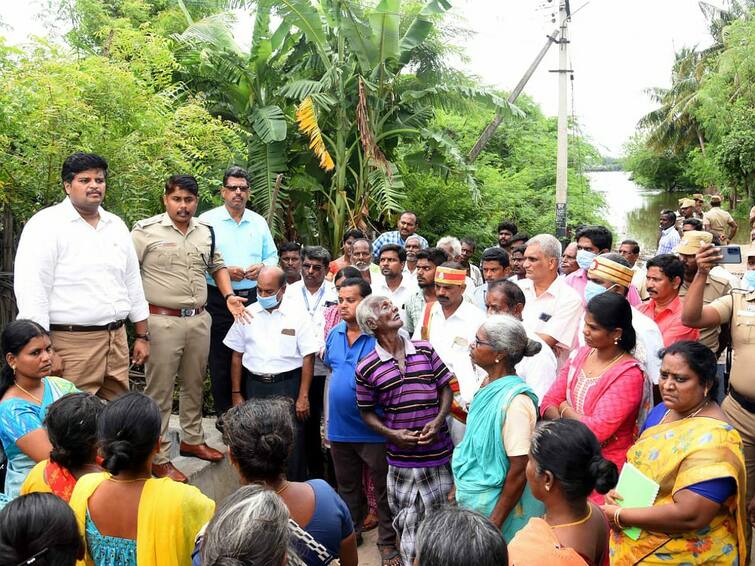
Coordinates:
[665,273]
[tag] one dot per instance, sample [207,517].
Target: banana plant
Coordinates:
[240,86]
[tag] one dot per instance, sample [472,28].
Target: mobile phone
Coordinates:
[730,254]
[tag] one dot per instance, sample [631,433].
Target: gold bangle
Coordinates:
[561,413]
[616,518]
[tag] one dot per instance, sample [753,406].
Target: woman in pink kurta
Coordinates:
[602,385]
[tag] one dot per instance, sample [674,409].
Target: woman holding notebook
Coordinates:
[602,385]
[696,458]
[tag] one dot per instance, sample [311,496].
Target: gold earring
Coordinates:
[547,488]
[498,360]
[14,369]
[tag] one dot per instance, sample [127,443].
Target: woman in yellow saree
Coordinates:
[125,516]
[696,457]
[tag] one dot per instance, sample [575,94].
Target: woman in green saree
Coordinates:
[489,464]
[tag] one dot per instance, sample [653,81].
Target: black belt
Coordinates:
[275,377]
[79,328]
[747,403]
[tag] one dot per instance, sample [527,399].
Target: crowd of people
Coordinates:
[473,411]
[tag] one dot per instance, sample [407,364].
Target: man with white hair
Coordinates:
[552,309]
[412,246]
[403,394]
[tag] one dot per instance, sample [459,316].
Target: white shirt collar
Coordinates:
[70,213]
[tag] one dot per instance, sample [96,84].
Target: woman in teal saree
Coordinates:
[489,464]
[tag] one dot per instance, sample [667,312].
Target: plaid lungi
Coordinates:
[411,493]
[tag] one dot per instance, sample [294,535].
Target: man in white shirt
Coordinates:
[76,273]
[311,296]
[451,328]
[495,265]
[669,236]
[413,246]
[612,272]
[468,248]
[552,309]
[361,258]
[394,283]
[277,348]
[538,371]
[630,251]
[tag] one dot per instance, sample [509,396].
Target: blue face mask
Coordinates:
[749,279]
[268,302]
[584,259]
[592,289]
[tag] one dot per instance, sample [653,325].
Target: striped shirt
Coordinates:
[408,401]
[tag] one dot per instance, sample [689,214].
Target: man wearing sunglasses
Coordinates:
[246,244]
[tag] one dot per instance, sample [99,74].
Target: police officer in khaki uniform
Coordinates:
[174,251]
[717,285]
[737,308]
[719,222]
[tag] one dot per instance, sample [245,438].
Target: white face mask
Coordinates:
[584,259]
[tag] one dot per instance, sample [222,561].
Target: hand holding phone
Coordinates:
[730,254]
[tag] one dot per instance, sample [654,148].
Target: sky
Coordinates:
[618,49]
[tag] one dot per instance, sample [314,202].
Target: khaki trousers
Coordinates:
[744,422]
[96,362]
[178,349]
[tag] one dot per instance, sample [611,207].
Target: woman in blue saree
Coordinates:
[489,463]
[25,393]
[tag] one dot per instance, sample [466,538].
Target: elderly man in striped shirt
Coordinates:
[403,393]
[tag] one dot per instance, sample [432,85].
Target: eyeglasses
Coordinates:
[478,342]
[312,267]
[233,189]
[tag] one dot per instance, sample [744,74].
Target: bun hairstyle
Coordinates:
[128,430]
[508,336]
[15,337]
[71,424]
[260,436]
[571,452]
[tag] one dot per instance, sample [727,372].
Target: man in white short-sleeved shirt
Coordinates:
[552,309]
[277,348]
[538,371]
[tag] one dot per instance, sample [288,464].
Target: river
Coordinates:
[632,211]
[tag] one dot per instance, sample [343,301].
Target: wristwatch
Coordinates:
[228,295]
[144,336]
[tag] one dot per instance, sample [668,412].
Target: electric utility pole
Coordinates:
[490,129]
[563,153]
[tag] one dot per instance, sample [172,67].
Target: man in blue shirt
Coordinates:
[407,226]
[353,444]
[244,239]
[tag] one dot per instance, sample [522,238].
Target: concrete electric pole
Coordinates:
[563,152]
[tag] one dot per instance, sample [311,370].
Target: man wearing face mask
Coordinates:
[611,272]
[591,242]
[277,348]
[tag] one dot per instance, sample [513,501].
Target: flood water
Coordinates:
[632,211]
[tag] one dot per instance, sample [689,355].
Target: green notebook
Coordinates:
[637,490]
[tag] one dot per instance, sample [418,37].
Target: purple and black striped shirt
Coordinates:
[408,400]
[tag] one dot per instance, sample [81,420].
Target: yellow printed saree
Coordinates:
[678,455]
[170,516]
